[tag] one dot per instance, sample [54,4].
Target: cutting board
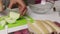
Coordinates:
[20,22]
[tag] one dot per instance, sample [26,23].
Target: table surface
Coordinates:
[53,16]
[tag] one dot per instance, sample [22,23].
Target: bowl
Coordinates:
[40,8]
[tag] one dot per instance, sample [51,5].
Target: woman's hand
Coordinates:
[21,6]
[1,6]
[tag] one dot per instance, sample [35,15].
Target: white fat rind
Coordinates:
[14,15]
[10,20]
[2,23]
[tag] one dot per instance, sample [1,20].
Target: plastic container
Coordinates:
[42,8]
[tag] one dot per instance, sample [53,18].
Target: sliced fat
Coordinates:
[35,28]
[55,27]
[42,26]
[48,27]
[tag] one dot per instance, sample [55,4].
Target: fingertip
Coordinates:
[10,5]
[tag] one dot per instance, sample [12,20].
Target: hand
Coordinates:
[1,6]
[21,6]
